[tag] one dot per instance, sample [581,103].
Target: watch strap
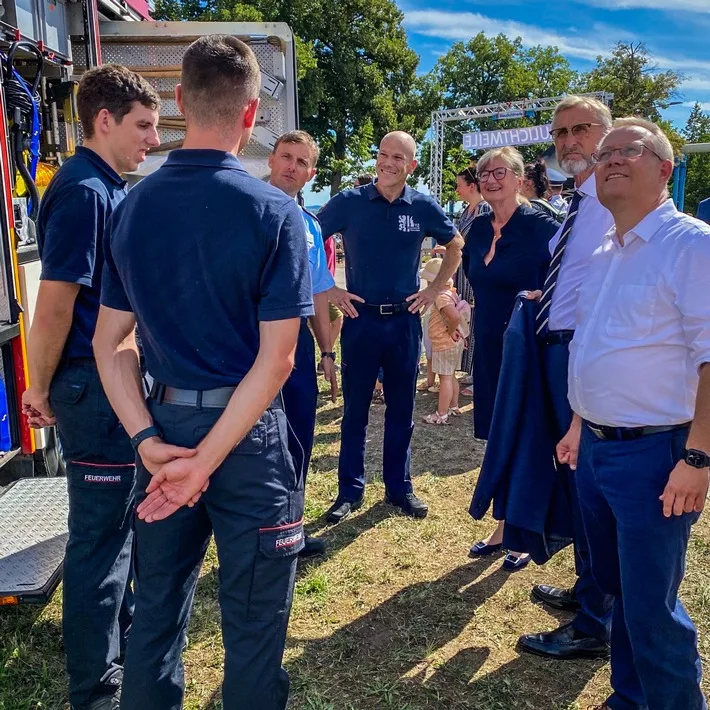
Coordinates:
[144,434]
[330,355]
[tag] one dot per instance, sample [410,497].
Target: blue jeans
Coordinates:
[594,616]
[254,507]
[98,601]
[370,342]
[638,556]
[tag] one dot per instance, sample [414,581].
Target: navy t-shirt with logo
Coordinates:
[202,252]
[70,229]
[383,239]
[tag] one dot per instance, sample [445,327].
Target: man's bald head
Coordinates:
[395,160]
[401,140]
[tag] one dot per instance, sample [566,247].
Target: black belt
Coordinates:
[558,337]
[217,398]
[388,309]
[620,433]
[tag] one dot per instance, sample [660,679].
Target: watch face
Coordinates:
[696,458]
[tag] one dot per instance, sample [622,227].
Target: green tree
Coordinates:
[630,73]
[488,70]
[697,184]
[359,80]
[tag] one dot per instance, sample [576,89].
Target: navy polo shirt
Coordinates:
[201,252]
[70,230]
[383,239]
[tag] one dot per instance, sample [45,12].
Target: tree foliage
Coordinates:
[357,77]
[697,185]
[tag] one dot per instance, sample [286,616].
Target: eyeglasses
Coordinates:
[630,152]
[497,173]
[579,130]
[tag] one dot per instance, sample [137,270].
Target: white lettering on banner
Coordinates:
[512,136]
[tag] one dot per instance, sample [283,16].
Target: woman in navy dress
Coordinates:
[506,252]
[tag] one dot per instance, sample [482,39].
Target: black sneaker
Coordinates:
[312,547]
[410,505]
[341,509]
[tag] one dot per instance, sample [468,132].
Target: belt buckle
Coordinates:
[387,309]
[599,433]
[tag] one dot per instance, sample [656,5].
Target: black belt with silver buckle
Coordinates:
[621,433]
[217,398]
[558,337]
[388,309]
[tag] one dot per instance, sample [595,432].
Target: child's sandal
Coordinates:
[455,412]
[436,418]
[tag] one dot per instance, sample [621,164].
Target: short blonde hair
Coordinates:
[659,140]
[590,103]
[510,156]
[513,161]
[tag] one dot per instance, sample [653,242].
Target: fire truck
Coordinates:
[45,46]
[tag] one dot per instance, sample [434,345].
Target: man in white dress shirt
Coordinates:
[579,124]
[639,385]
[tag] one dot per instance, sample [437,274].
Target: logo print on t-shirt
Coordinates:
[407,224]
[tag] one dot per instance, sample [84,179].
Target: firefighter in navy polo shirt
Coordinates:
[383,226]
[293,164]
[212,264]
[119,116]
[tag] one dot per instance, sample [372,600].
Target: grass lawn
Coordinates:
[395,616]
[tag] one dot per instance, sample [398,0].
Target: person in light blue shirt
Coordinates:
[293,164]
[704,211]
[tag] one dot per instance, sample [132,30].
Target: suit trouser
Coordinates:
[368,342]
[638,556]
[301,401]
[594,616]
[254,507]
[97,595]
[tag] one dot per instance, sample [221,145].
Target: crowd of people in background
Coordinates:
[581,328]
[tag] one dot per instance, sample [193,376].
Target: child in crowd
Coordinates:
[447,328]
[429,385]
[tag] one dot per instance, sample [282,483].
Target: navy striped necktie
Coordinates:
[553,272]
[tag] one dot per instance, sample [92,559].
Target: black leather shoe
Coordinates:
[410,505]
[564,643]
[341,509]
[563,599]
[312,547]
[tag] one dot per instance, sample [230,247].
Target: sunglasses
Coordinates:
[579,130]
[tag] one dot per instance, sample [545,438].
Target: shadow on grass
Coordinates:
[388,658]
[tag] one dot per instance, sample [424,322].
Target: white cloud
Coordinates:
[463,26]
[704,105]
[669,5]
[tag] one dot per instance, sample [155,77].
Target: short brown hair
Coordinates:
[114,88]
[302,138]
[220,76]
[364,179]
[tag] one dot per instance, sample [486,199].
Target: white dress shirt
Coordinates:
[643,324]
[592,223]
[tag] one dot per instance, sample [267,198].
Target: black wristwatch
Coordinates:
[695,458]
[144,434]
[330,355]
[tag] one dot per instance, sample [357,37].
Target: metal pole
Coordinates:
[437,157]
[683,169]
[676,182]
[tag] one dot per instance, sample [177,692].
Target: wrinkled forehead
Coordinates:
[619,137]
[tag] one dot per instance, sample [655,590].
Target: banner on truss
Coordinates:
[529,135]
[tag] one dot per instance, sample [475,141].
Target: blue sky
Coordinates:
[676,32]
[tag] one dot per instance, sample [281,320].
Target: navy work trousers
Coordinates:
[98,600]
[254,507]
[594,616]
[368,342]
[638,556]
[301,401]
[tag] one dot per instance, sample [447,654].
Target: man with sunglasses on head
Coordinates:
[578,125]
[639,384]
